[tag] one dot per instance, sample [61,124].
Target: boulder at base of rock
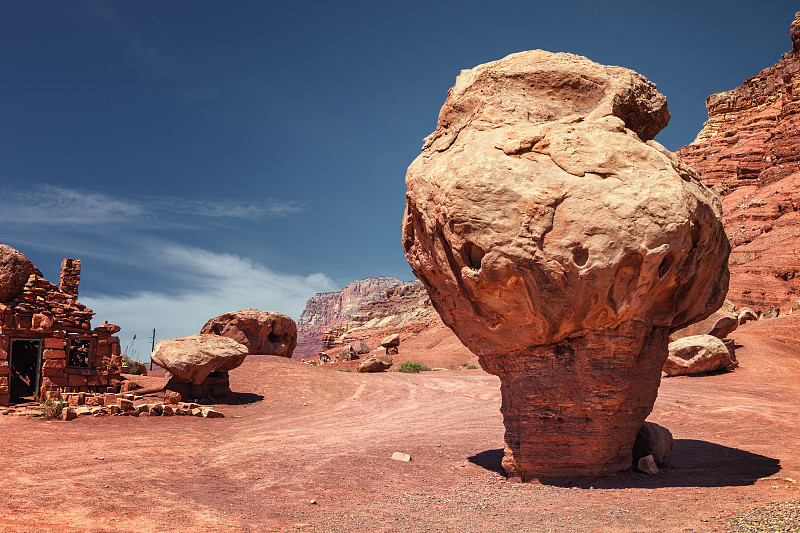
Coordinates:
[699,354]
[15,269]
[347,354]
[653,440]
[263,332]
[373,363]
[191,359]
[360,347]
[391,340]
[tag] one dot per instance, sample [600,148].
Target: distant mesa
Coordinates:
[327,310]
[748,152]
[562,246]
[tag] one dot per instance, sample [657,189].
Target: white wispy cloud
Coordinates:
[52,205]
[221,283]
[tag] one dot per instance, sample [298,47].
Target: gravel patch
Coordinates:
[781,517]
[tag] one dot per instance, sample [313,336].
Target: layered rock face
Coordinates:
[562,245]
[406,307]
[749,153]
[263,332]
[329,309]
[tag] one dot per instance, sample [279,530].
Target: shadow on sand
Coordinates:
[238,398]
[695,463]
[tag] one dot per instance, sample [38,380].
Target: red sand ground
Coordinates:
[323,435]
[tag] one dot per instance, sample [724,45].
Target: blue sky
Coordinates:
[206,156]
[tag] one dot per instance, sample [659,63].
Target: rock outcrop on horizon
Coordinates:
[328,309]
[562,245]
[748,152]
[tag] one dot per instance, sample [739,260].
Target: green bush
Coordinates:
[51,407]
[128,366]
[412,367]
[471,367]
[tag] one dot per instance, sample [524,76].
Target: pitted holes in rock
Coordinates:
[580,255]
[472,255]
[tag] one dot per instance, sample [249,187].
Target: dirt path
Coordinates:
[328,436]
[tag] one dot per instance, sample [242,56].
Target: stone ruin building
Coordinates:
[46,339]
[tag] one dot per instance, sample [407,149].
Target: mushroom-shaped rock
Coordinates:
[391,340]
[563,249]
[191,359]
[15,269]
[263,332]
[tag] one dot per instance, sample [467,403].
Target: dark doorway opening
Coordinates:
[25,369]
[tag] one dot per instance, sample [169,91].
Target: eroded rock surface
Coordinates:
[562,246]
[263,332]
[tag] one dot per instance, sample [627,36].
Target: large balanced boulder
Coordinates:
[698,354]
[563,245]
[191,359]
[15,269]
[263,332]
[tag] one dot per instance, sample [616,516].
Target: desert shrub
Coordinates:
[412,367]
[471,367]
[51,406]
[128,366]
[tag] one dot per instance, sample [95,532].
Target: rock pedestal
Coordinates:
[562,403]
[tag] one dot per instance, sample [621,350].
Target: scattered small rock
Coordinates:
[400,456]
[647,465]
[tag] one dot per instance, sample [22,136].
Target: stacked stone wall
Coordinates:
[44,312]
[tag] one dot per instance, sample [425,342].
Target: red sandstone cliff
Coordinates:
[749,153]
[405,309]
[327,309]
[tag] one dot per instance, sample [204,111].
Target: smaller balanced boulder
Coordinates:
[391,343]
[191,359]
[263,332]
